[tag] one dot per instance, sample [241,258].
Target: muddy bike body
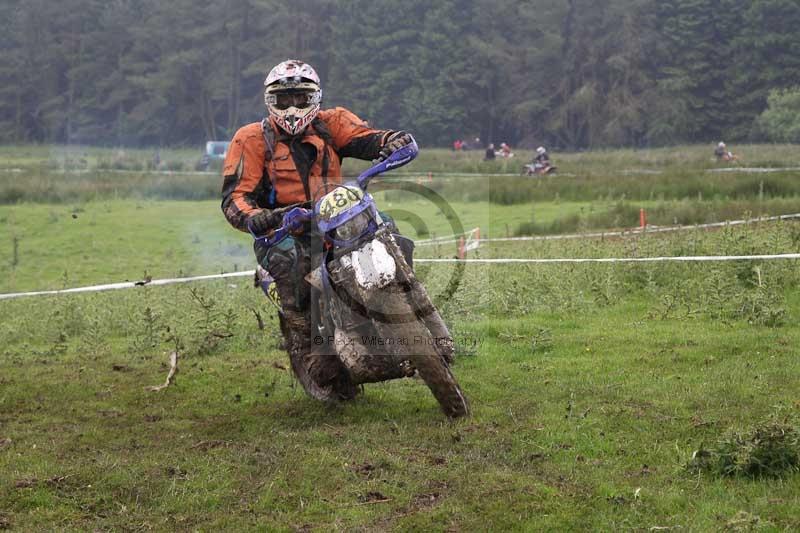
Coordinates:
[372,320]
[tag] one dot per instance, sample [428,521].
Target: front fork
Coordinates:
[421,302]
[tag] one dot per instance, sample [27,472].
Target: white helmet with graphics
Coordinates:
[292,95]
[540,150]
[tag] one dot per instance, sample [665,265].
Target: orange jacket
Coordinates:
[255,179]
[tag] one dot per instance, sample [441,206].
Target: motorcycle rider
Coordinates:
[286,159]
[722,154]
[542,158]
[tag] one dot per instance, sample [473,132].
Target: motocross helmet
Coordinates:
[540,150]
[721,145]
[292,95]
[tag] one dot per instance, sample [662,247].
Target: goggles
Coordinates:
[298,98]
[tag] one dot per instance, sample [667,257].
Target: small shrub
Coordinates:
[541,341]
[770,449]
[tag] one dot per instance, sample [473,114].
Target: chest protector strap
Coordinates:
[321,130]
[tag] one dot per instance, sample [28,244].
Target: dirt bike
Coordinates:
[372,319]
[726,157]
[538,169]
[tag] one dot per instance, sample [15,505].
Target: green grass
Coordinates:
[591,385]
[651,175]
[117,240]
[61,157]
[430,159]
[592,433]
[59,246]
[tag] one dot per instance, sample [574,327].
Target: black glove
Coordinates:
[394,142]
[264,220]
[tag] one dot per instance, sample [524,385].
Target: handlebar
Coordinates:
[288,226]
[396,159]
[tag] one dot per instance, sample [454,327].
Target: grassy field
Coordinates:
[591,385]
[55,246]
[591,388]
[55,157]
[59,246]
[595,190]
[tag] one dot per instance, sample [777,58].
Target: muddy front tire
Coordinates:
[412,340]
[436,374]
[399,313]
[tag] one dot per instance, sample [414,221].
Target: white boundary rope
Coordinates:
[624,233]
[682,259]
[449,240]
[405,175]
[118,171]
[755,170]
[126,285]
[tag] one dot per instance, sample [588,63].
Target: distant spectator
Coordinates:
[458,144]
[204,164]
[157,159]
[489,155]
[505,150]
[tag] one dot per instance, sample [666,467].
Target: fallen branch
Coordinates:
[173,370]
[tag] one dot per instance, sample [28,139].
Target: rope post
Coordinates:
[461,253]
[642,218]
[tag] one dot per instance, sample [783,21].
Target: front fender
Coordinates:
[373,265]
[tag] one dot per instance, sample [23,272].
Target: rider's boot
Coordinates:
[315,365]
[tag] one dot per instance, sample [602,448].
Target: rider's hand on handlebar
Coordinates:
[264,221]
[394,142]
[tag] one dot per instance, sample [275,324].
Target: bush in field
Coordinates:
[769,449]
[781,120]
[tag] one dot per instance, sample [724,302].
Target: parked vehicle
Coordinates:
[215,152]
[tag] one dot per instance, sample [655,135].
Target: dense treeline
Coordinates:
[572,73]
